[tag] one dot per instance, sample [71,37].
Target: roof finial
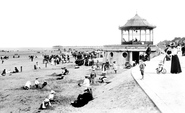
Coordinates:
[136,11]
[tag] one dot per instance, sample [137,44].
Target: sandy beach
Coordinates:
[122,94]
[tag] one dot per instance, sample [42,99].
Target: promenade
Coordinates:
[167,91]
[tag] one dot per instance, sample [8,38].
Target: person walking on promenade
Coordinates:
[175,64]
[148,52]
[142,66]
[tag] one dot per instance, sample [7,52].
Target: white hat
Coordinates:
[46,100]
[52,92]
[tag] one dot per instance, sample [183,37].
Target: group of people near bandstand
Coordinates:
[172,50]
[171,54]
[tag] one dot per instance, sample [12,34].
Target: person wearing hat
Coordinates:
[36,83]
[92,76]
[51,95]
[27,85]
[175,64]
[142,66]
[148,52]
[86,83]
[45,104]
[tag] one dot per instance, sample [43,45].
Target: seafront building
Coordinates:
[136,35]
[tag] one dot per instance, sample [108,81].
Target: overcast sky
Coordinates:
[45,23]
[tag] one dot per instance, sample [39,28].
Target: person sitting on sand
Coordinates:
[51,95]
[64,71]
[43,85]
[37,66]
[36,83]
[45,104]
[4,72]
[16,70]
[27,85]
[83,99]
[86,83]
[93,67]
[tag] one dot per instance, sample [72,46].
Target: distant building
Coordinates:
[136,35]
[58,47]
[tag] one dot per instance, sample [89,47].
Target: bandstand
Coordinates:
[137,30]
[136,35]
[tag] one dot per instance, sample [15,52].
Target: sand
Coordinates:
[122,94]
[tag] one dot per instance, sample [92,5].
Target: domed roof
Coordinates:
[137,22]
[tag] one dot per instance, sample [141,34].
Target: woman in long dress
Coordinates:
[175,64]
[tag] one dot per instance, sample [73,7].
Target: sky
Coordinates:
[46,23]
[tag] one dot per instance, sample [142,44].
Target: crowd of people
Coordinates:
[88,59]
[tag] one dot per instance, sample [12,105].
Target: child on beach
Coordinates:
[115,67]
[142,66]
[36,83]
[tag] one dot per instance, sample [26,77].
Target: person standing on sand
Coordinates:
[2,60]
[142,68]
[175,64]
[92,76]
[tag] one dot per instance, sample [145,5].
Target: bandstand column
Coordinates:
[128,35]
[132,34]
[130,56]
[145,34]
[140,34]
[121,36]
[152,35]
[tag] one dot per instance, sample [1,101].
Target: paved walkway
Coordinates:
[167,91]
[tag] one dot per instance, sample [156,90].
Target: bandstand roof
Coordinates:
[137,23]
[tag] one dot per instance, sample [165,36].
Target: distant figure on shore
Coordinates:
[92,76]
[31,57]
[2,61]
[21,68]
[37,66]
[175,64]
[142,66]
